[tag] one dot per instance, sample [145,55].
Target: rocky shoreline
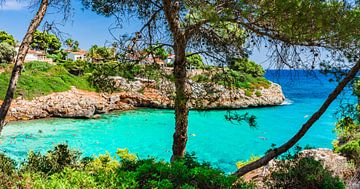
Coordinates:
[140,93]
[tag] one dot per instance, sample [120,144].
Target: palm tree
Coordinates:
[69,43]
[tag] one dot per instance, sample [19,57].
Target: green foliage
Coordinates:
[7,170]
[7,53]
[201,78]
[44,41]
[302,173]
[248,93]
[40,78]
[240,164]
[158,51]
[67,179]
[102,54]
[258,93]
[195,61]
[38,66]
[244,65]
[60,168]
[232,78]
[54,161]
[58,57]
[78,67]
[350,150]
[72,45]
[7,165]
[7,38]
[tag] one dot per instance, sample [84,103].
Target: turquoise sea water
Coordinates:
[148,132]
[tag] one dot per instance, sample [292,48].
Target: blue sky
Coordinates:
[84,25]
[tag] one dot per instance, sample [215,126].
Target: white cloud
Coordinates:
[12,5]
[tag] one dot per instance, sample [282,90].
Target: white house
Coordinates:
[34,55]
[170,59]
[76,55]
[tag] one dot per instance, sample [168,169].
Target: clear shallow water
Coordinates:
[148,132]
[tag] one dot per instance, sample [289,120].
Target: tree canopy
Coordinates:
[7,38]
[105,54]
[7,53]
[45,41]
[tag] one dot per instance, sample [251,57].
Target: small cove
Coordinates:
[148,132]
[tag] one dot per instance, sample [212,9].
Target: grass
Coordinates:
[39,79]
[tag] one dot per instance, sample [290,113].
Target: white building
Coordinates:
[34,55]
[76,55]
[170,59]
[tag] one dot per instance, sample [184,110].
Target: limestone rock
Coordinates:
[139,93]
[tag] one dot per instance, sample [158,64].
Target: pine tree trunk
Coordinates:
[24,47]
[181,109]
[171,9]
[285,147]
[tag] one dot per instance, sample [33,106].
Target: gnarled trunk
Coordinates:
[24,47]
[285,147]
[172,9]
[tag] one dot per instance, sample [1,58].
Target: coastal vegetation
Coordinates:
[41,78]
[65,168]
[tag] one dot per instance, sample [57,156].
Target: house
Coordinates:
[170,59]
[146,58]
[76,55]
[34,55]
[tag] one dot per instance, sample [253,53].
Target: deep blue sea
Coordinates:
[148,132]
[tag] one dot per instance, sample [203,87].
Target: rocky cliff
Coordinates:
[140,93]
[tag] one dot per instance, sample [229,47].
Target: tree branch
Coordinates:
[285,147]
[23,49]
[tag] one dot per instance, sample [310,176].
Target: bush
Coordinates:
[351,150]
[248,93]
[60,168]
[77,68]
[232,78]
[7,165]
[7,170]
[54,161]
[68,178]
[302,173]
[246,66]
[7,53]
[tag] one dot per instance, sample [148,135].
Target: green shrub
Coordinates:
[302,173]
[68,179]
[78,67]
[246,66]
[258,93]
[61,168]
[54,161]
[351,150]
[7,165]
[248,93]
